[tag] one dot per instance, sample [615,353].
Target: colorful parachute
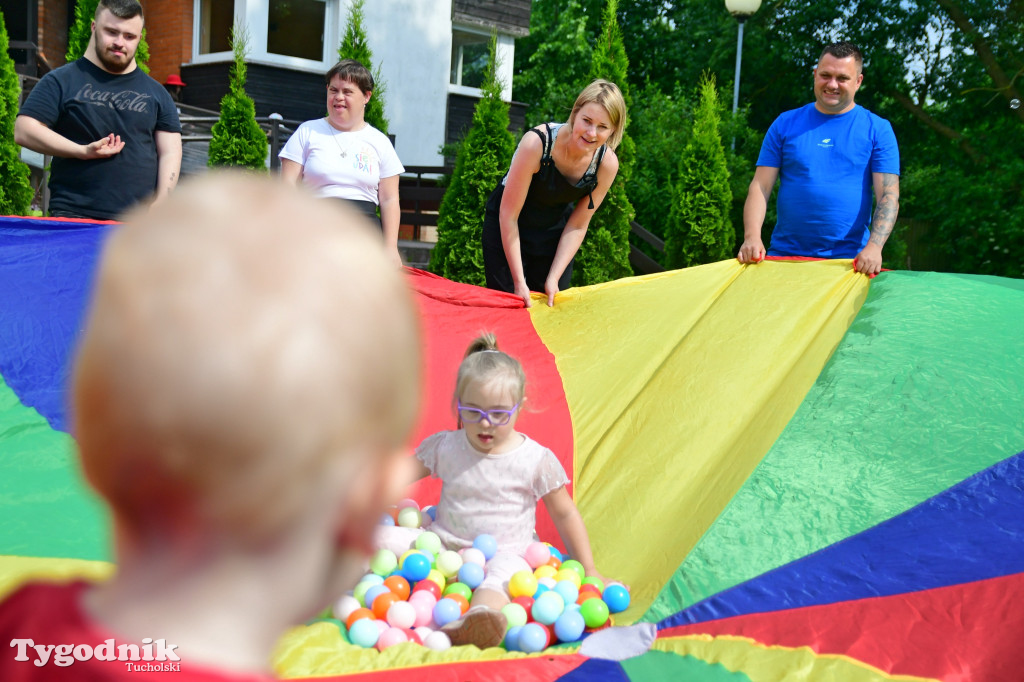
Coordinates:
[803,475]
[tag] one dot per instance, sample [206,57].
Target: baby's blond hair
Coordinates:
[483,361]
[244,338]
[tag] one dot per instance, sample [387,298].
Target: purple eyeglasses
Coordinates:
[472,415]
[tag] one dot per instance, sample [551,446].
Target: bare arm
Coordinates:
[754,210]
[390,215]
[579,220]
[291,171]
[37,136]
[887,207]
[524,165]
[571,528]
[168,159]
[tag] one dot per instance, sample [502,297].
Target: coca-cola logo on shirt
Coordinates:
[122,100]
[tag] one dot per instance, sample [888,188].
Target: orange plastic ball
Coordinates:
[554,562]
[460,600]
[398,585]
[357,614]
[382,603]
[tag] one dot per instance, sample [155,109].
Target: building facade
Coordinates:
[431,55]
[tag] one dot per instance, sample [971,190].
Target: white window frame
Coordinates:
[506,55]
[254,16]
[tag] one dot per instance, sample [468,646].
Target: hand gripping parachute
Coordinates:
[803,475]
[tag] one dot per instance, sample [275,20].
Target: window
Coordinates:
[469,58]
[290,33]
[295,28]
[215,19]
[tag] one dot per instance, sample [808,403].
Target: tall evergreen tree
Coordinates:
[604,254]
[80,33]
[699,228]
[558,69]
[15,188]
[355,46]
[237,140]
[482,159]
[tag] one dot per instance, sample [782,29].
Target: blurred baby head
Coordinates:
[249,352]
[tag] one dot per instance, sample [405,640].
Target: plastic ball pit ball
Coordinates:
[532,638]
[428,586]
[458,588]
[364,633]
[594,612]
[537,554]
[359,614]
[471,575]
[428,541]
[387,519]
[616,597]
[383,562]
[382,603]
[512,638]
[570,626]
[460,600]
[449,563]
[567,590]
[445,611]
[407,503]
[596,582]
[437,577]
[548,607]
[409,517]
[575,566]
[424,609]
[372,593]
[522,584]
[515,614]
[555,552]
[545,571]
[344,606]
[570,575]
[472,555]
[526,603]
[430,511]
[401,614]
[398,585]
[486,544]
[416,567]
[391,637]
[438,641]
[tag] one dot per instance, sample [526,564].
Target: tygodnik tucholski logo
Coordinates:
[152,656]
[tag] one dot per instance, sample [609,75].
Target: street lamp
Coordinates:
[741,9]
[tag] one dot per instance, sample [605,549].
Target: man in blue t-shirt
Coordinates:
[830,155]
[113,131]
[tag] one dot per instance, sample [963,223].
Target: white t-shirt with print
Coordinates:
[342,165]
[494,494]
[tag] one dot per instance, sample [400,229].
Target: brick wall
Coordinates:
[169,35]
[53,31]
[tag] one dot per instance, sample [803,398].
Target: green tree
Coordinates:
[237,139]
[699,228]
[15,188]
[354,45]
[557,69]
[604,254]
[482,160]
[80,33]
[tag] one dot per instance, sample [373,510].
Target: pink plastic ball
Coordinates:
[537,554]
[401,614]
[424,609]
[391,637]
[408,502]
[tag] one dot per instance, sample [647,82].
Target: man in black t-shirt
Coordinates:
[113,131]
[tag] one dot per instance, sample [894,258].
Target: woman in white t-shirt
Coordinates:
[341,156]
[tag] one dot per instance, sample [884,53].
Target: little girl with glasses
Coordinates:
[492,476]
